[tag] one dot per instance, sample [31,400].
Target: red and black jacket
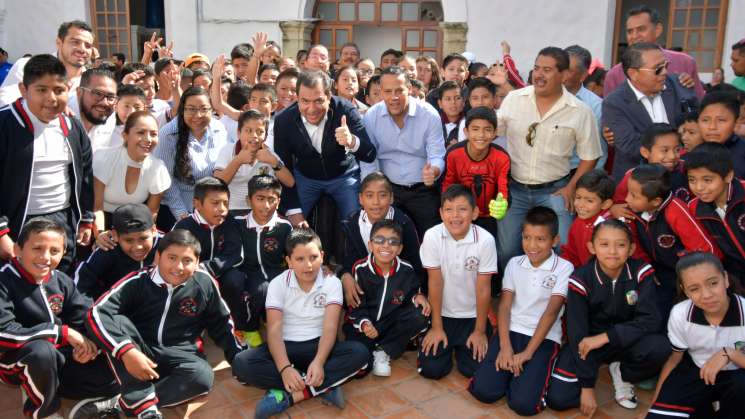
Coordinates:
[730,232]
[485,178]
[670,233]
[17,165]
[221,245]
[678,182]
[31,311]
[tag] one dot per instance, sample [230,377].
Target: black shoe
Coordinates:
[96,408]
[150,414]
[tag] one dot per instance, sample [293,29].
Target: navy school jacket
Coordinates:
[221,245]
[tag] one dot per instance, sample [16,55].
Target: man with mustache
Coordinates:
[543,124]
[74,49]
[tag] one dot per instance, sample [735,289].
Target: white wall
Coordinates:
[30,26]
[531,25]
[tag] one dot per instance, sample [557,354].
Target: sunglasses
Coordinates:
[392,241]
[531,133]
[658,70]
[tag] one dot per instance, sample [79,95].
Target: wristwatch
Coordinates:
[279,166]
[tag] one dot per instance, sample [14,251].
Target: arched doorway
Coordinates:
[376,25]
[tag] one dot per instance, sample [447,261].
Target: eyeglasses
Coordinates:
[197,111]
[531,133]
[99,95]
[366,72]
[657,70]
[392,241]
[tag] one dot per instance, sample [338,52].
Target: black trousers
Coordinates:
[65,219]
[183,375]
[46,373]
[640,361]
[394,331]
[684,393]
[245,295]
[256,367]
[525,393]
[439,365]
[421,203]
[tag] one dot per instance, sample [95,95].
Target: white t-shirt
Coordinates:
[302,313]
[532,288]
[460,262]
[239,185]
[110,167]
[160,110]
[688,330]
[231,126]
[50,180]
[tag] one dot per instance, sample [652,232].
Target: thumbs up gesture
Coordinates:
[343,136]
[428,175]
[498,207]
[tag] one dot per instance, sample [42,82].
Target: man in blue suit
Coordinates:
[649,95]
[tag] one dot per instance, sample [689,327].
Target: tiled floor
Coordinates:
[404,395]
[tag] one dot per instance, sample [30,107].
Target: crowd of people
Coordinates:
[524,230]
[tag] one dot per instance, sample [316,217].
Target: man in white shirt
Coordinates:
[74,48]
[93,104]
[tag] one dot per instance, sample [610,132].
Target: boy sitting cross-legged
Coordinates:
[391,311]
[460,259]
[301,358]
[149,325]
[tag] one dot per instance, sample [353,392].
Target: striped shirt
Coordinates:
[203,155]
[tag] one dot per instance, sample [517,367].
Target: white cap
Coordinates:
[471,57]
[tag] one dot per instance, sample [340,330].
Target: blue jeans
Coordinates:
[522,199]
[344,189]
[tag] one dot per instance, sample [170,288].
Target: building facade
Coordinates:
[705,29]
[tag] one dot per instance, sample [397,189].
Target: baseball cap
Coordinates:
[195,57]
[130,218]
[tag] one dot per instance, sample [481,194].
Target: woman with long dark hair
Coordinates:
[189,146]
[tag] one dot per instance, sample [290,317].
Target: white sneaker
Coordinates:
[624,391]
[381,364]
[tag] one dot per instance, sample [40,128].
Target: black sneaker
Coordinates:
[96,408]
[150,414]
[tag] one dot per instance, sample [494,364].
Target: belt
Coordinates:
[409,187]
[541,185]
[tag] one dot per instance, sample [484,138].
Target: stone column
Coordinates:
[296,35]
[453,37]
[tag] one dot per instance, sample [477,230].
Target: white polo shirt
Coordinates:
[302,313]
[532,288]
[460,262]
[688,330]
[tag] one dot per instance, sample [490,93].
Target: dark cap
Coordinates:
[131,218]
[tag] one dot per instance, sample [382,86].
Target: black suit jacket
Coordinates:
[627,118]
[293,145]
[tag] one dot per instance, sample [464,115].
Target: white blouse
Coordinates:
[110,167]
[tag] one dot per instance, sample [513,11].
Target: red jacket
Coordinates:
[678,180]
[580,233]
[486,177]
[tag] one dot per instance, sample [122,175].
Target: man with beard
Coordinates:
[543,124]
[93,103]
[74,49]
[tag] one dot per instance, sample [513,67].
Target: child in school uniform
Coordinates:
[392,310]
[221,249]
[43,345]
[149,325]
[717,119]
[660,144]
[592,200]
[612,318]
[451,104]
[376,202]
[460,259]
[301,358]
[707,333]
[720,203]
[663,228]
[136,238]
[518,363]
[263,235]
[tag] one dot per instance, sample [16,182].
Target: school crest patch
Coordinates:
[398,297]
[666,241]
[471,263]
[632,297]
[270,244]
[682,194]
[319,301]
[219,243]
[55,303]
[188,307]
[741,222]
[549,281]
